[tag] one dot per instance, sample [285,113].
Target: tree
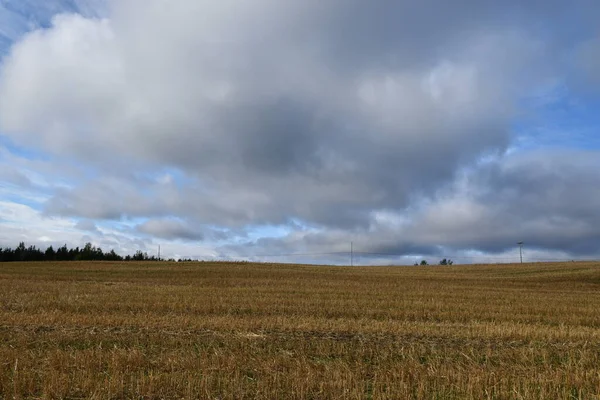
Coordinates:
[112,256]
[424,262]
[50,254]
[20,252]
[446,262]
[62,254]
[140,256]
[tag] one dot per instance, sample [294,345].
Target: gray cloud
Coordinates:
[105,198]
[547,199]
[15,177]
[87,225]
[531,197]
[170,229]
[588,60]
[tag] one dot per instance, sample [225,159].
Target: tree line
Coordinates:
[445,261]
[87,252]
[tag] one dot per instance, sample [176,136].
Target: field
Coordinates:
[232,331]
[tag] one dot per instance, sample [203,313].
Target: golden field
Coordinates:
[102,330]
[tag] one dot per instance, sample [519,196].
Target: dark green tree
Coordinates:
[50,254]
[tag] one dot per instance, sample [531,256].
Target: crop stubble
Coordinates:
[236,330]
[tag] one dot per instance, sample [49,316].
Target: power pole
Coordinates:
[520,251]
[351,254]
[159,252]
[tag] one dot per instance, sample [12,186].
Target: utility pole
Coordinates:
[159,252]
[520,251]
[351,254]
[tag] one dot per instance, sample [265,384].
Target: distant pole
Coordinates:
[520,251]
[351,254]
[159,252]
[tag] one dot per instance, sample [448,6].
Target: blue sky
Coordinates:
[236,130]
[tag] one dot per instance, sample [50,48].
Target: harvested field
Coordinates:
[231,331]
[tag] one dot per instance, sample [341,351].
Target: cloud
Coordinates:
[588,60]
[18,17]
[546,198]
[242,110]
[87,225]
[15,177]
[105,198]
[170,229]
[337,115]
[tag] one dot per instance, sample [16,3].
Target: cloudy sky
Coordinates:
[241,129]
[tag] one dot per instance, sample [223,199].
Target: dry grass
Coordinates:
[233,331]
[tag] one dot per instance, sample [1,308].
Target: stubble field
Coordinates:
[232,331]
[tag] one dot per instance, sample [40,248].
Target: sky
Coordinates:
[253,130]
